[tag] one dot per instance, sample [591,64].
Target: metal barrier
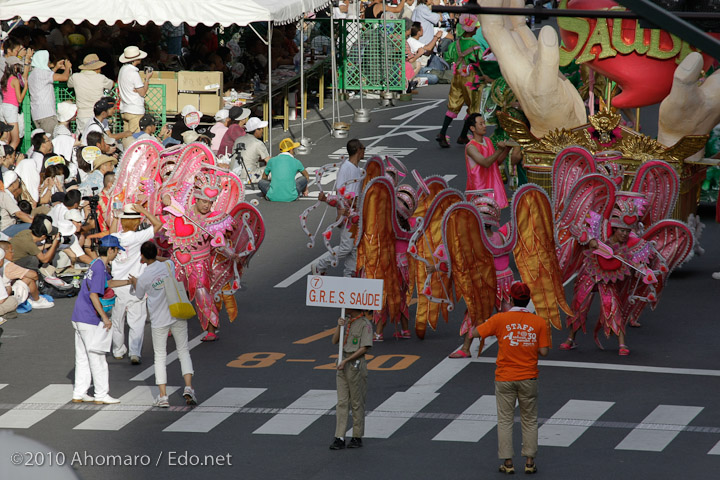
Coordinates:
[154,104]
[371,49]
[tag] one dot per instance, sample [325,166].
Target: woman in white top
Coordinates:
[42,92]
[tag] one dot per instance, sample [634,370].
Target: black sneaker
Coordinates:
[338,444]
[355,442]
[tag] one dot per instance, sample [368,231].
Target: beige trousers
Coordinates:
[525,392]
[351,392]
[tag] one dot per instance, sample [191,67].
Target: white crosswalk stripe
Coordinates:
[570,422]
[659,428]
[473,424]
[215,410]
[300,414]
[37,407]
[115,417]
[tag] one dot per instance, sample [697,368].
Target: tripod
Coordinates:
[237,155]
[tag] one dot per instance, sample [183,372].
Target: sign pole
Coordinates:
[341,342]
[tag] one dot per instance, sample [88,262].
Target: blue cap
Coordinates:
[110,241]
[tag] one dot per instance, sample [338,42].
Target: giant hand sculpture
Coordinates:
[531,68]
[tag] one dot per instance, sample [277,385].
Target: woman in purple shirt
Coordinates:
[88,313]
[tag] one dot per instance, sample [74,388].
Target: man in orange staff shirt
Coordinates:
[521,336]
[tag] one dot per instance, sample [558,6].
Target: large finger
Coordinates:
[548,62]
[519,25]
[685,80]
[488,20]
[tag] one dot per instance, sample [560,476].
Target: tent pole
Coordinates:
[269,88]
[361,115]
[303,149]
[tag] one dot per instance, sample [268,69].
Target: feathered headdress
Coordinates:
[629,208]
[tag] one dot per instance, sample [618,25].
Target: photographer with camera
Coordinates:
[132,88]
[67,218]
[249,151]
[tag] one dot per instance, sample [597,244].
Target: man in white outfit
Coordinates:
[125,265]
[348,176]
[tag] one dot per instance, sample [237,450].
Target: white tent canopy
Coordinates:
[192,12]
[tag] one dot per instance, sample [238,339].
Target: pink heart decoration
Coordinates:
[650,277]
[217,241]
[341,190]
[630,219]
[184,258]
[427,291]
[235,285]
[355,219]
[250,247]
[440,253]
[332,202]
[584,237]
[443,267]
[663,268]
[327,234]
[652,297]
[412,249]
[183,229]
[211,192]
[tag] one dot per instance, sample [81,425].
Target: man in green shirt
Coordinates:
[462,53]
[278,182]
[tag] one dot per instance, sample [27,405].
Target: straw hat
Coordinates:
[132,53]
[91,62]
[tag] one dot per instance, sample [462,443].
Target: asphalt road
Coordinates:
[267,391]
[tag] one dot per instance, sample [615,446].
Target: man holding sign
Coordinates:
[352,375]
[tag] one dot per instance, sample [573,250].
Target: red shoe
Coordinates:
[568,344]
[405,334]
[623,351]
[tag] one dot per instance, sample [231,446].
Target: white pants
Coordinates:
[179,331]
[127,303]
[80,124]
[89,366]
[346,250]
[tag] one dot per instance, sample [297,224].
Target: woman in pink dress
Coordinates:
[482,160]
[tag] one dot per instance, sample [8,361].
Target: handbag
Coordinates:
[180,306]
[101,340]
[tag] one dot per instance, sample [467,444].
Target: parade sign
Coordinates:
[343,292]
[641,60]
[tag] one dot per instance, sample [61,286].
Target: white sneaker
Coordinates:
[106,400]
[41,302]
[716,275]
[161,402]
[84,398]
[189,394]
[2,320]
[57,282]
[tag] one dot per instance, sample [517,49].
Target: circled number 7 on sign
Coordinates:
[382,363]
[316,282]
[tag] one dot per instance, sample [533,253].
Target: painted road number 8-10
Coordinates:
[380,363]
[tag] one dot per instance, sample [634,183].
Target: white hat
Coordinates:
[73,215]
[221,115]
[254,123]
[9,178]
[132,53]
[36,131]
[187,110]
[66,111]
[190,136]
[129,212]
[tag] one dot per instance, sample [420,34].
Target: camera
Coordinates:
[148,70]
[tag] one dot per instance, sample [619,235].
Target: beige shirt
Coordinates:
[8,209]
[358,334]
[89,88]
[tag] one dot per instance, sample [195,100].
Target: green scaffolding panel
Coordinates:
[154,104]
[367,45]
